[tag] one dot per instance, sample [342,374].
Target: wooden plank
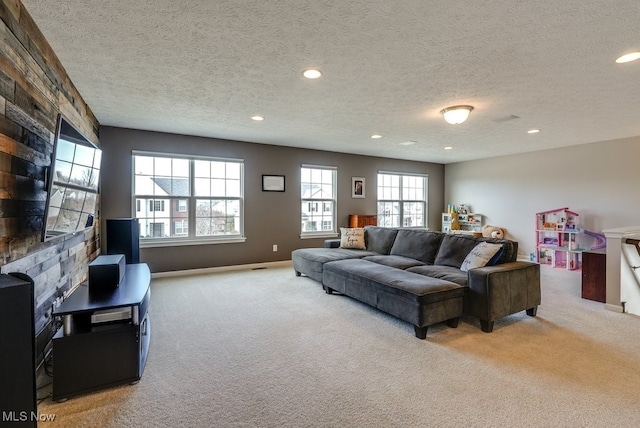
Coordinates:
[21,118]
[43,113]
[25,168]
[16,226]
[28,73]
[11,129]
[21,188]
[22,151]
[23,264]
[15,248]
[5,162]
[7,86]
[22,135]
[17,208]
[47,61]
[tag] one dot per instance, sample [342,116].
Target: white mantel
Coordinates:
[615,239]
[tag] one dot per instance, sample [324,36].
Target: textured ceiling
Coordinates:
[204,67]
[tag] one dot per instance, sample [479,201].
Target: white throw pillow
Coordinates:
[352,237]
[480,255]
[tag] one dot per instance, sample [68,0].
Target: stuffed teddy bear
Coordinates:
[496,232]
[455,222]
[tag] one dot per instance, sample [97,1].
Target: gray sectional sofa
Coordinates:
[421,276]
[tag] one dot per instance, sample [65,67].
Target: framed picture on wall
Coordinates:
[272,183]
[357,187]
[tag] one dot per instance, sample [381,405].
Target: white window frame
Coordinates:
[191,239]
[319,203]
[402,199]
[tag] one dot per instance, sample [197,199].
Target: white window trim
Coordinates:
[196,240]
[323,234]
[402,201]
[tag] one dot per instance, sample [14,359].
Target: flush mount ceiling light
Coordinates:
[312,73]
[456,114]
[408,143]
[257,118]
[533,131]
[376,136]
[628,57]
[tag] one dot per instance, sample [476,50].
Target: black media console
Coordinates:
[105,336]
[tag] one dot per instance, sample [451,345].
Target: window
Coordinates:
[402,200]
[190,198]
[181,228]
[156,205]
[318,196]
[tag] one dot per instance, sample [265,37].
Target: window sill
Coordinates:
[158,243]
[320,235]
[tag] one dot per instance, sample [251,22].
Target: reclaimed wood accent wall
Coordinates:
[34,89]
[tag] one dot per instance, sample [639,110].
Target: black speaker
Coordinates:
[18,405]
[123,237]
[106,273]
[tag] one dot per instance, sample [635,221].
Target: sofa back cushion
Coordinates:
[454,250]
[379,239]
[417,244]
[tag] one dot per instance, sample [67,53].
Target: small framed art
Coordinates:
[357,187]
[272,183]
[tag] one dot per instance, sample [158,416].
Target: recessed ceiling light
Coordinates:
[632,56]
[376,136]
[533,131]
[448,148]
[257,118]
[407,143]
[312,73]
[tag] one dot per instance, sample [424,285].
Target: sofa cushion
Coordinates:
[379,239]
[417,244]
[352,238]
[398,262]
[309,261]
[481,255]
[446,273]
[454,249]
[376,277]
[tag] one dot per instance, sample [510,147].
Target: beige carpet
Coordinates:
[264,348]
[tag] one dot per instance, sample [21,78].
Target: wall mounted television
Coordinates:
[72,182]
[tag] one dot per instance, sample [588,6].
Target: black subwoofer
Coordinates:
[18,405]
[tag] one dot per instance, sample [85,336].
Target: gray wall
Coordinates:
[599,181]
[270,217]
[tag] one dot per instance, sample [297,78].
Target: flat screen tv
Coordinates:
[72,183]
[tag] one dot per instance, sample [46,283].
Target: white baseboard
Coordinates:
[283,263]
[614,308]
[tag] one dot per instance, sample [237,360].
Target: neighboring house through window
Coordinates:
[318,190]
[402,200]
[182,197]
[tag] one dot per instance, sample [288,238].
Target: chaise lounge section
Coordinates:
[426,277]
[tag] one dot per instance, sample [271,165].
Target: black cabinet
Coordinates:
[105,338]
[17,348]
